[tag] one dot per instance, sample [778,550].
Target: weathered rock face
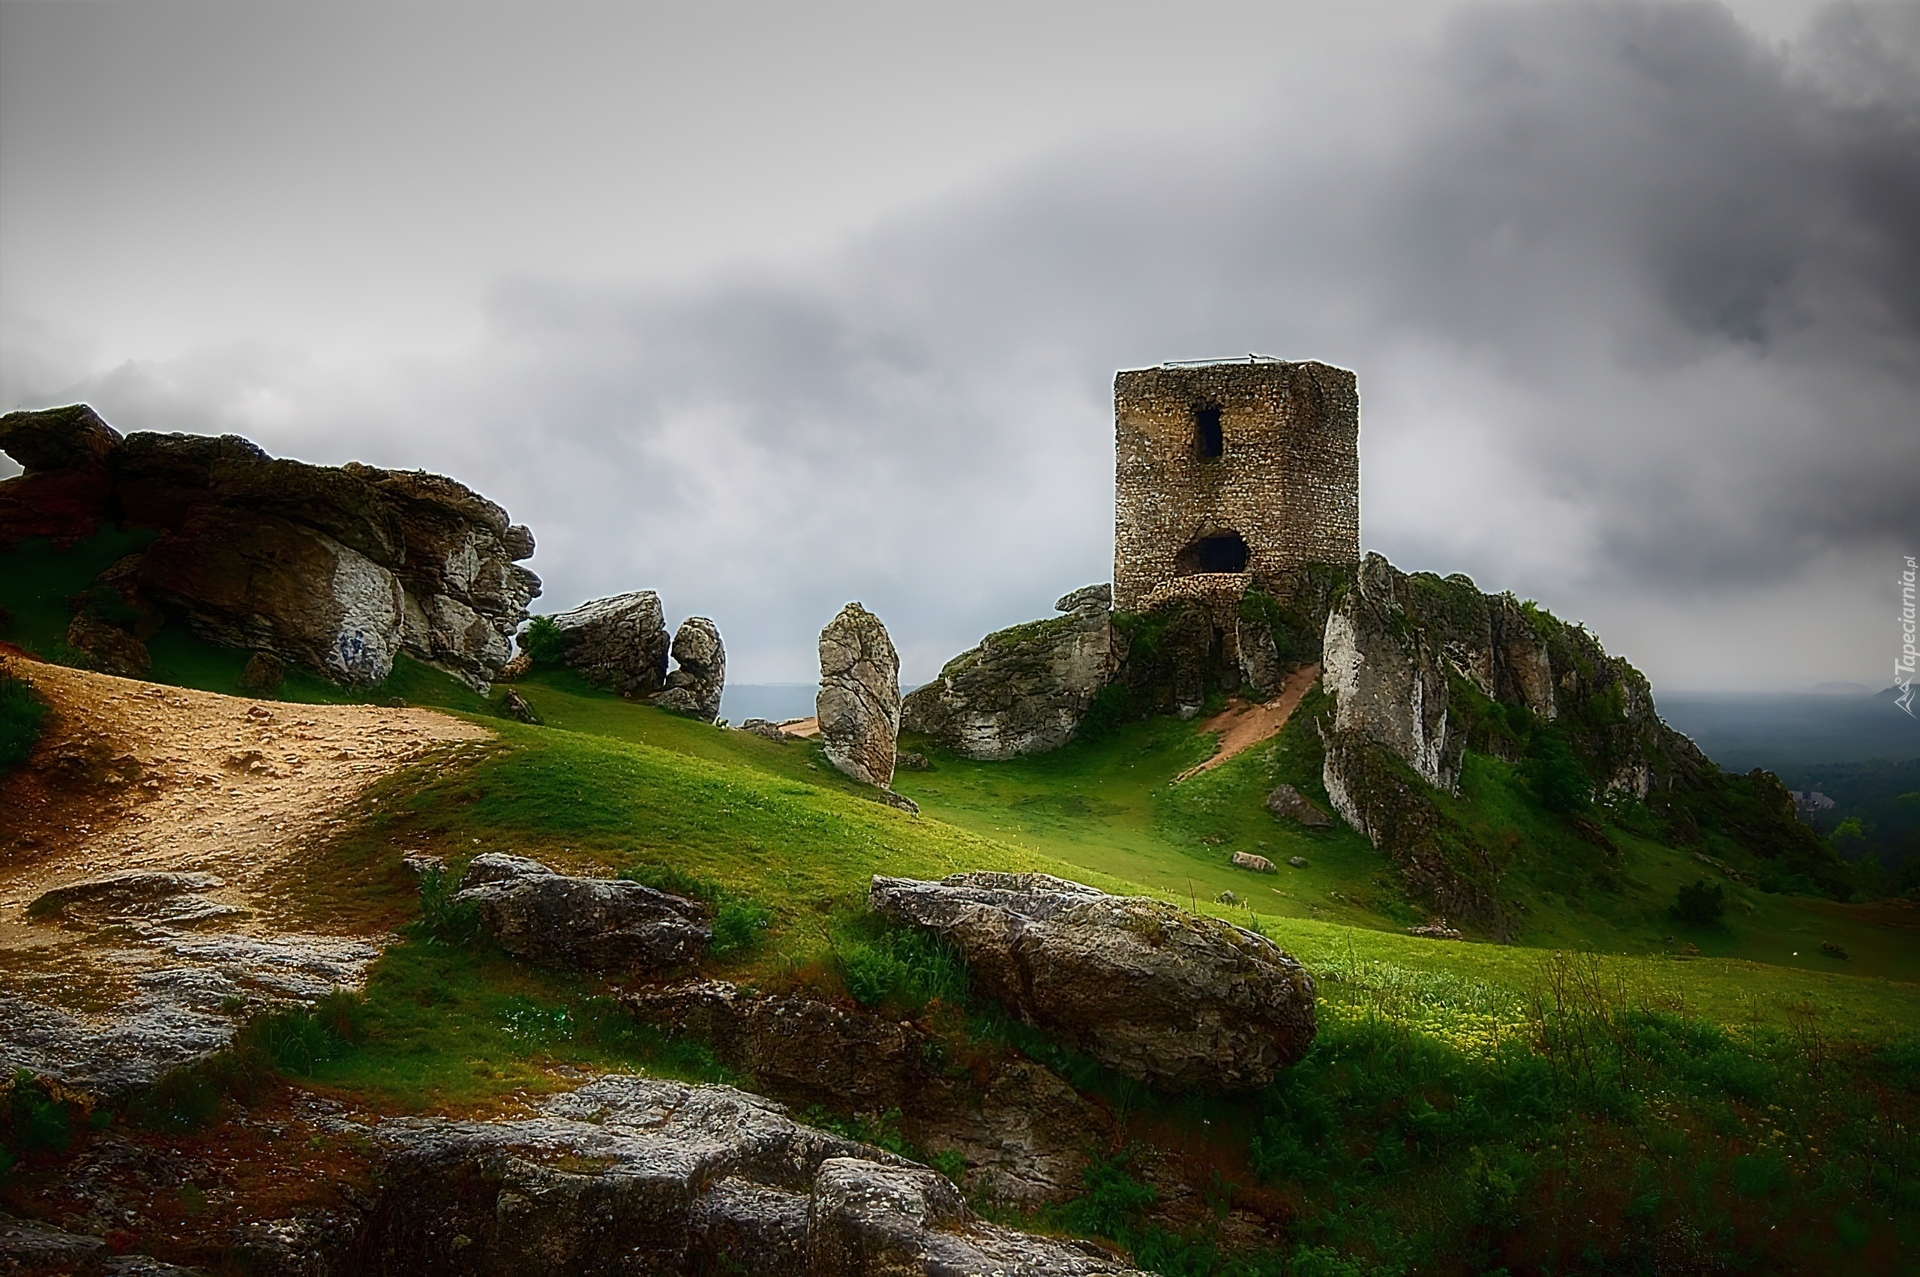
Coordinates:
[633,1176]
[858,707]
[618,642]
[601,924]
[1023,690]
[1149,990]
[1389,681]
[1025,1136]
[333,568]
[796,1046]
[700,674]
[242,579]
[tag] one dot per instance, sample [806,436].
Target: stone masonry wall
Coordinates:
[1287,479]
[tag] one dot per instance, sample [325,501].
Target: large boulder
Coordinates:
[858,706]
[700,670]
[1023,690]
[600,924]
[619,642]
[447,554]
[1159,994]
[631,1176]
[250,580]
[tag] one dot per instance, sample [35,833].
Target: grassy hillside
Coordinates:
[1592,1098]
[1467,1106]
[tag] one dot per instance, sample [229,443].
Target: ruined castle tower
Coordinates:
[1231,469]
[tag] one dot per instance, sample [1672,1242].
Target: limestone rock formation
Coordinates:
[600,924]
[1023,690]
[249,580]
[700,670]
[766,729]
[333,568]
[858,707]
[1289,803]
[794,1045]
[1388,679]
[1024,1134]
[1149,990]
[634,1175]
[619,642]
[1255,864]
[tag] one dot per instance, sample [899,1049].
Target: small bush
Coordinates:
[1700,905]
[1114,1202]
[298,1041]
[20,715]
[443,919]
[1554,775]
[899,968]
[542,642]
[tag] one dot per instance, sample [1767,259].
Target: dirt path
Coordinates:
[1243,724]
[133,775]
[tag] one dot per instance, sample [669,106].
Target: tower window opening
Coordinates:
[1206,429]
[1226,552]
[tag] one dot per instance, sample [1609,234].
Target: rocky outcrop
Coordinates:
[1023,690]
[1253,864]
[599,924]
[187,987]
[635,1176]
[619,643]
[700,671]
[1147,989]
[334,568]
[1024,1135]
[858,706]
[249,580]
[797,1046]
[1388,679]
[1288,803]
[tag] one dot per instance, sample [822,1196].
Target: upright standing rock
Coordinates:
[695,685]
[859,701]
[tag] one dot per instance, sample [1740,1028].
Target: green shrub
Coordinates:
[20,716]
[897,967]
[542,642]
[1699,904]
[444,919]
[1554,775]
[1114,1201]
[298,1041]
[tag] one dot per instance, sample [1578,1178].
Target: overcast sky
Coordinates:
[773,306]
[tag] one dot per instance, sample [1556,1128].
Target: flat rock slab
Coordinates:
[634,1175]
[1150,990]
[600,924]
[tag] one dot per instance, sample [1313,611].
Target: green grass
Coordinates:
[1466,1106]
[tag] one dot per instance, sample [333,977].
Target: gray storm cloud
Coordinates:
[1633,296]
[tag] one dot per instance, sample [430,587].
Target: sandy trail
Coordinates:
[1242,724]
[134,775]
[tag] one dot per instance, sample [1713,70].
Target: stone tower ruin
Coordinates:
[1230,471]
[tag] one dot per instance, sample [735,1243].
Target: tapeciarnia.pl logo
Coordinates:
[1903,665]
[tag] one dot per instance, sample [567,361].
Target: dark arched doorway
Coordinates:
[1221,552]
